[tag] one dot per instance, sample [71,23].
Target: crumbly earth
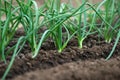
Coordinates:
[73,63]
[79,70]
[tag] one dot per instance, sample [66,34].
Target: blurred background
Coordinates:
[73,1]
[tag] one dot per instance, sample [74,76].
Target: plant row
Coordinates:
[62,21]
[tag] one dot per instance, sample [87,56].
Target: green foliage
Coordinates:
[110,27]
[62,20]
[29,14]
[59,16]
[8,26]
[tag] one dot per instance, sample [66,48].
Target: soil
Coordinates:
[73,63]
[79,70]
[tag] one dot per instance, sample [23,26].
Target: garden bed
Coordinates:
[72,64]
[59,40]
[81,70]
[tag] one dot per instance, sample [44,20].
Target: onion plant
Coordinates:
[21,13]
[18,47]
[109,31]
[9,21]
[113,49]
[56,34]
[63,22]
[30,14]
[57,22]
[8,26]
[82,26]
[116,24]
[111,22]
[81,34]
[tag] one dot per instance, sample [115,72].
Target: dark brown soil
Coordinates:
[73,63]
[79,70]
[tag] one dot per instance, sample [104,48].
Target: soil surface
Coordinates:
[79,70]
[73,63]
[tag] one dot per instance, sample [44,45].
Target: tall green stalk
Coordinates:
[8,26]
[57,21]
[29,13]
[81,34]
